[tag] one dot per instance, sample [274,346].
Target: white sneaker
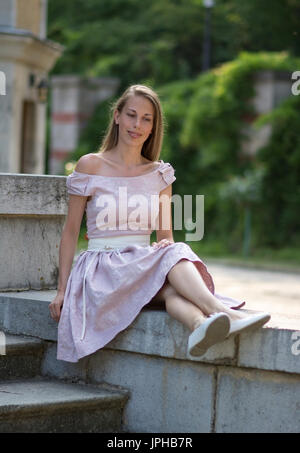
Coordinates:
[214,330]
[249,323]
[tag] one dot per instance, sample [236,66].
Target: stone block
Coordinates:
[27,313]
[254,401]
[156,333]
[270,349]
[32,215]
[165,395]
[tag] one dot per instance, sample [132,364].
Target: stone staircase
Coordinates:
[32,403]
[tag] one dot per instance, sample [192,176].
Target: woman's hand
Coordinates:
[162,243]
[55,307]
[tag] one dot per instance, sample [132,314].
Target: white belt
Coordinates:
[117,242]
[106,245]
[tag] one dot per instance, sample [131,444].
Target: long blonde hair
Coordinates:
[152,146]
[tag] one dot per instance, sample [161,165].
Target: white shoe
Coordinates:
[214,330]
[249,323]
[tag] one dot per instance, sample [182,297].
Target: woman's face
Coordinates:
[136,120]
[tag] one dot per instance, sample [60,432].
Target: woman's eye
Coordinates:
[133,115]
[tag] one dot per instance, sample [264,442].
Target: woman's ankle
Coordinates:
[236,315]
[218,307]
[197,323]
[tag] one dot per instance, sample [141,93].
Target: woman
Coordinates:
[120,272]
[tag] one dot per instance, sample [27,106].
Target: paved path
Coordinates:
[275,292]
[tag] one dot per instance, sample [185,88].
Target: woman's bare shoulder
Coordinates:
[151,163]
[89,163]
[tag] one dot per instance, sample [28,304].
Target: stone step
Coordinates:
[20,356]
[27,313]
[43,405]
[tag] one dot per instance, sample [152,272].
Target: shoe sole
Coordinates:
[253,326]
[216,332]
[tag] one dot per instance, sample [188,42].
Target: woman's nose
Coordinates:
[137,122]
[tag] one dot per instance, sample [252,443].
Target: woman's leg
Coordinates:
[181,309]
[188,283]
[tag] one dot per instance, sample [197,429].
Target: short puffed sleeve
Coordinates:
[78,184]
[167,175]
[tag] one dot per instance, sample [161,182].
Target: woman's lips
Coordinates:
[134,135]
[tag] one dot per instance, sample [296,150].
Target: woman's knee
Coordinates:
[168,291]
[165,292]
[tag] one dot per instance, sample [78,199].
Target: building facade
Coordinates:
[26,57]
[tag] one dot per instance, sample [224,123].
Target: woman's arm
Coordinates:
[68,242]
[67,250]
[69,239]
[165,228]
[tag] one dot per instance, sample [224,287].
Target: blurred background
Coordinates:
[225,72]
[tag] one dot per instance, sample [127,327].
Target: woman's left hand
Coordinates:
[162,243]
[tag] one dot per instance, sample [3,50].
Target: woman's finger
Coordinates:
[54,311]
[162,243]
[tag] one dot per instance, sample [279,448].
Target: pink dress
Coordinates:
[118,283]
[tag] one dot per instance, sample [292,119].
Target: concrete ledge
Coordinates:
[155,333]
[273,349]
[247,384]
[27,313]
[32,215]
[24,194]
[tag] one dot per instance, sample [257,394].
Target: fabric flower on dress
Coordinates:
[167,172]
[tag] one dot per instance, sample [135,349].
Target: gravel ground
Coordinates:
[277,293]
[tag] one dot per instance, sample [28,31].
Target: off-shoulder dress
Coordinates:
[106,290]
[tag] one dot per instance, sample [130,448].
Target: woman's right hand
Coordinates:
[55,307]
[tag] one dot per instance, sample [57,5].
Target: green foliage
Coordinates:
[244,190]
[280,221]
[205,130]
[163,40]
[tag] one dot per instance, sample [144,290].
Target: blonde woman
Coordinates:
[120,272]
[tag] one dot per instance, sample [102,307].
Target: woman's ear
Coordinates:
[116,116]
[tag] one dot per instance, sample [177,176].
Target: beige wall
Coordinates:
[28,15]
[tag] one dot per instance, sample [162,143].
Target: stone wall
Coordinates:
[32,214]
